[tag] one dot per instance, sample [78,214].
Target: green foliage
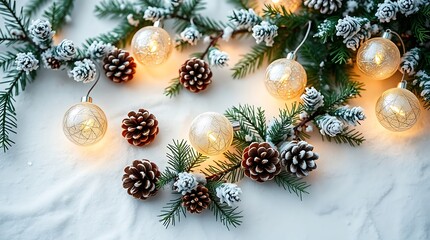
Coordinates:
[7,59]
[244,4]
[174,88]
[34,6]
[420,24]
[253,60]
[281,126]
[172,212]
[227,215]
[350,136]
[284,17]
[190,7]
[292,183]
[228,170]
[58,12]
[340,54]
[347,91]
[182,157]
[114,9]
[12,19]
[252,120]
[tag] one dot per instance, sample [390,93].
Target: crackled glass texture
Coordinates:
[84,124]
[378,58]
[397,109]
[285,79]
[211,133]
[151,45]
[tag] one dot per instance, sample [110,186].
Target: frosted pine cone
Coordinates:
[84,71]
[154,14]
[218,58]
[228,193]
[195,75]
[191,35]
[140,179]
[26,62]
[422,79]
[329,125]
[99,49]
[185,183]
[353,42]
[50,61]
[261,161]
[298,158]
[410,61]
[66,50]
[265,32]
[325,6]
[387,11]
[312,99]
[197,200]
[347,27]
[140,128]
[408,7]
[351,116]
[41,33]
[119,66]
[244,19]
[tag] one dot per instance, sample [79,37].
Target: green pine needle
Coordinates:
[252,60]
[228,170]
[115,8]
[174,88]
[58,12]
[350,136]
[292,183]
[280,126]
[252,121]
[171,213]
[244,4]
[34,6]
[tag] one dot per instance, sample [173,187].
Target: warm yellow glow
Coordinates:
[397,110]
[212,137]
[379,58]
[87,125]
[153,46]
[275,1]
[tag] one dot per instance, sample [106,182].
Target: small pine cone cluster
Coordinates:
[140,179]
[140,128]
[195,75]
[119,66]
[197,200]
[261,162]
[298,158]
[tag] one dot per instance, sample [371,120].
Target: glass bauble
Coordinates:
[151,45]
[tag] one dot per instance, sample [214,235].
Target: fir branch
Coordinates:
[190,7]
[177,158]
[174,88]
[194,160]
[172,212]
[240,140]
[7,59]
[280,127]
[340,53]
[253,60]
[13,20]
[166,177]
[283,17]
[244,4]
[34,6]
[419,24]
[252,120]
[350,136]
[292,183]
[58,12]
[114,9]
[228,170]
[227,215]
[348,90]
[153,3]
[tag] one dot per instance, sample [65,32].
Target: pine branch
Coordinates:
[166,177]
[419,24]
[228,170]
[171,213]
[114,9]
[177,158]
[252,120]
[227,215]
[340,53]
[244,4]
[194,160]
[189,8]
[58,12]
[350,136]
[281,126]
[12,19]
[253,60]
[292,183]
[7,59]
[34,6]
[348,90]
[283,17]
[174,88]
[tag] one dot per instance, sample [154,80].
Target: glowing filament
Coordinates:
[397,110]
[212,137]
[87,125]
[153,46]
[379,58]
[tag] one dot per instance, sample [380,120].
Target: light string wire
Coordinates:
[304,39]
[402,81]
[98,73]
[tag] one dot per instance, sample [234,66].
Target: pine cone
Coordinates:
[197,200]
[140,128]
[298,158]
[195,75]
[119,66]
[261,162]
[140,179]
[53,63]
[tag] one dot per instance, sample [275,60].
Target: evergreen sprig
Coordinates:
[115,8]
[245,4]
[252,120]
[171,213]
[229,169]
[350,136]
[34,6]
[281,125]
[174,88]
[347,91]
[253,60]
[13,19]
[292,183]
[58,12]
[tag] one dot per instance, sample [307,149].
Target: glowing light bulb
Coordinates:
[285,78]
[84,123]
[378,58]
[151,45]
[211,133]
[397,109]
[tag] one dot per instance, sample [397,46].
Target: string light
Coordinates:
[286,78]
[151,45]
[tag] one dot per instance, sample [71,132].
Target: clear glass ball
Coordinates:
[378,58]
[397,109]
[285,79]
[151,45]
[211,133]
[84,124]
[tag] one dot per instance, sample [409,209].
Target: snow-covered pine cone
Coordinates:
[348,27]
[26,62]
[422,79]
[185,183]
[197,200]
[41,33]
[140,179]
[298,158]
[140,128]
[195,75]
[387,11]
[261,162]
[191,35]
[312,99]
[218,58]
[244,19]
[50,61]
[154,14]
[66,50]
[325,6]
[408,7]
[119,66]
[99,49]
[84,71]
[410,61]
[228,193]
[265,32]
[329,125]
[351,116]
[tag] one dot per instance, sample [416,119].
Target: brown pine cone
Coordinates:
[298,158]
[119,66]
[197,200]
[140,179]
[140,128]
[261,162]
[53,63]
[195,75]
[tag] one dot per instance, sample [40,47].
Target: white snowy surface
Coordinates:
[52,189]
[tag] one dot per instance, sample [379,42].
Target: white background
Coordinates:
[52,189]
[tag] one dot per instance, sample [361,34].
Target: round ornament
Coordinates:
[397,109]
[285,78]
[211,133]
[378,58]
[84,123]
[151,45]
